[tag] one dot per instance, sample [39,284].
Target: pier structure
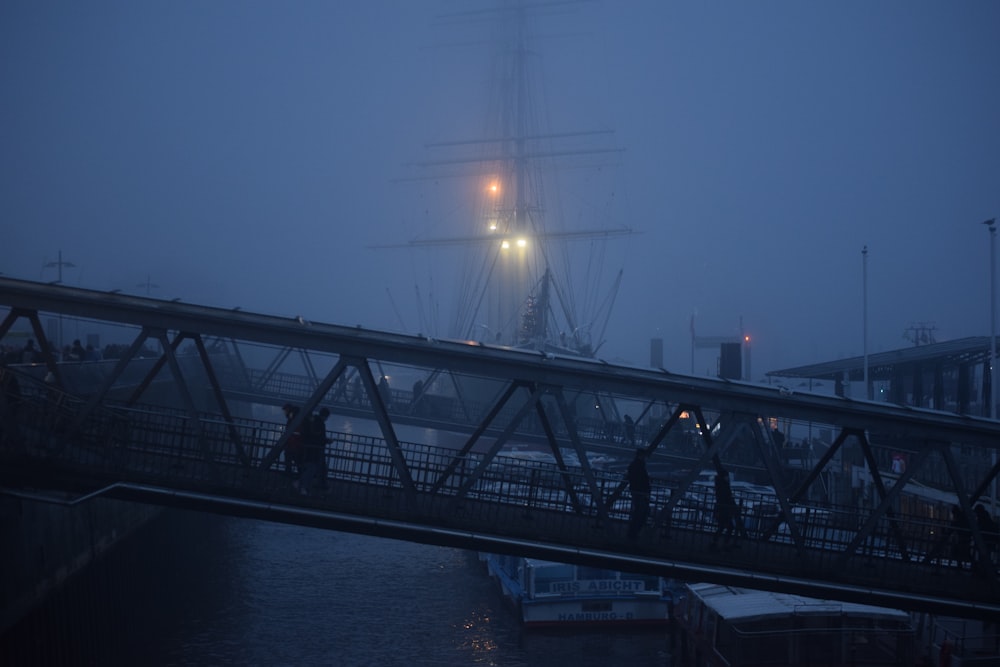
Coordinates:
[951,376]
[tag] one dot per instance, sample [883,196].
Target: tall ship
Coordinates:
[531,279]
[528,276]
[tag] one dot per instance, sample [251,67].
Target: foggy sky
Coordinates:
[248,153]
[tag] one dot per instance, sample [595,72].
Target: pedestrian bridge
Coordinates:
[494,449]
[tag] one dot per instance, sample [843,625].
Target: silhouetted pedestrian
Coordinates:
[314,442]
[959,538]
[638,482]
[418,393]
[357,392]
[726,512]
[384,392]
[629,431]
[988,531]
[29,354]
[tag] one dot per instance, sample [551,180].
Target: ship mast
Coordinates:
[510,284]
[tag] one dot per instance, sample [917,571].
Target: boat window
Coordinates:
[820,647]
[586,572]
[710,621]
[554,578]
[725,642]
[767,649]
[770,624]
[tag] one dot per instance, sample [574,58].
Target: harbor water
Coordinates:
[199,589]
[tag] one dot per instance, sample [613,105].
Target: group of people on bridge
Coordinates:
[305,449]
[961,550]
[726,511]
[964,552]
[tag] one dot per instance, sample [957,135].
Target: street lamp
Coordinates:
[991,225]
[149,285]
[746,341]
[59,266]
[864,316]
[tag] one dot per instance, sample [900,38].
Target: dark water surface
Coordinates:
[196,589]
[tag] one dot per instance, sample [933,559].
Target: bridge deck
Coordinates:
[156,455]
[163,430]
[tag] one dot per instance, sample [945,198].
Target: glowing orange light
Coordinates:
[494,188]
[746,338]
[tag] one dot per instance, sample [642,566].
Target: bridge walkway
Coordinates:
[846,525]
[155,455]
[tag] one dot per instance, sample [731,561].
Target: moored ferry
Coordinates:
[729,626]
[549,594]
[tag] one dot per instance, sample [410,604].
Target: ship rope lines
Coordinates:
[529,276]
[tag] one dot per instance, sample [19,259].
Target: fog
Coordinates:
[251,153]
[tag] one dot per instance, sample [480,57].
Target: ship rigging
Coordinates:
[530,279]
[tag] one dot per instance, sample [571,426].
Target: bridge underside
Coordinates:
[517,452]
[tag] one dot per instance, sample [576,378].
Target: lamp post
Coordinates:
[746,341]
[149,285]
[59,266]
[991,225]
[864,316]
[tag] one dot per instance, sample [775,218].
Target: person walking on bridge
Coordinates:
[638,482]
[314,442]
[990,533]
[629,430]
[726,512]
[293,444]
[959,538]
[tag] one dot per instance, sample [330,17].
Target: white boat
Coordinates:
[552,594]
[729,626]
[559,595]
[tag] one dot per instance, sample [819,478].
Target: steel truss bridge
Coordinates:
[495,449]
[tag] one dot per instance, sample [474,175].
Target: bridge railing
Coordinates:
[204,452]
[444,408]
[165,441]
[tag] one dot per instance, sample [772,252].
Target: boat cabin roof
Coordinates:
[742,604]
